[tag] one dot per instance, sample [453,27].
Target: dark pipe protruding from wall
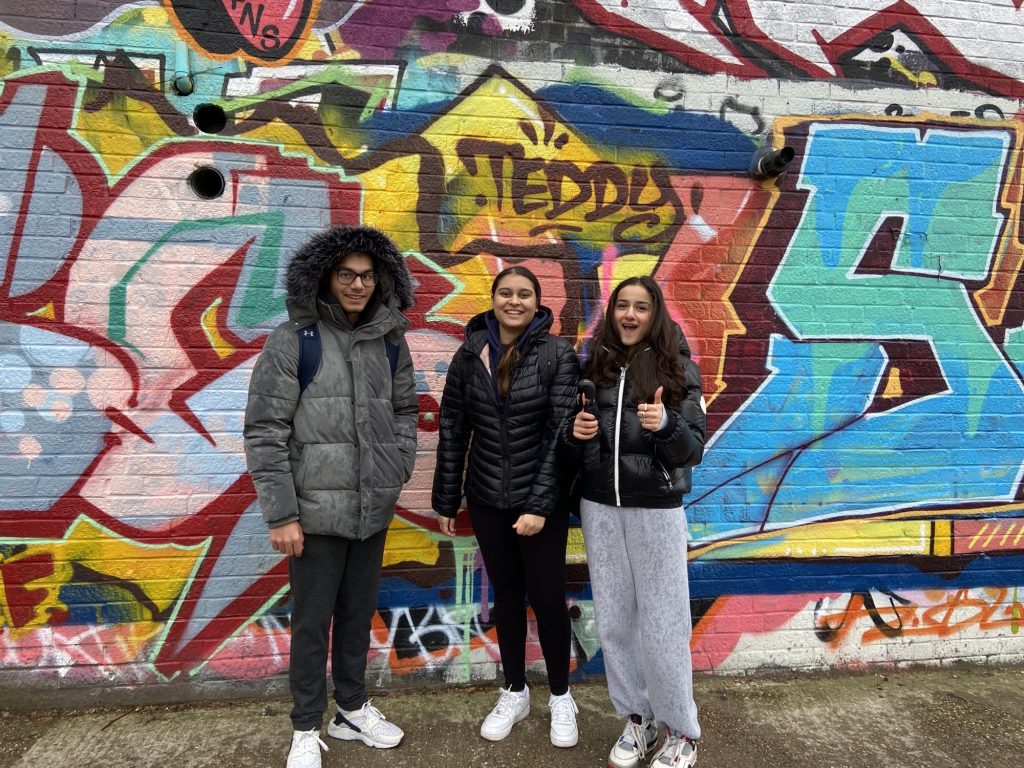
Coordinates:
[767,163]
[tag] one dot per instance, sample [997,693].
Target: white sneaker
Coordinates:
[678,751]
[512,707]
[564,732]
[367,725]
[305,750]
[637,738]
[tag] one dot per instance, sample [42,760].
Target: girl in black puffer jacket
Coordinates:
[510,387]
[635,455]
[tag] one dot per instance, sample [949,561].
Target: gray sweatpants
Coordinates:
[637,561]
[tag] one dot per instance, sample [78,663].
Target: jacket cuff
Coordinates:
[669,429]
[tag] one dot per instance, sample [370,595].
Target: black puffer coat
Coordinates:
[512,446]
[640,468]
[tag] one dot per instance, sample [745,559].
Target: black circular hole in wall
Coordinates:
[206,182]
[507,7]
[209,118]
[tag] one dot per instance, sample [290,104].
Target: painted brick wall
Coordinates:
[857,312]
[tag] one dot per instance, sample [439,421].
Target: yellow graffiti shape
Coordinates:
[160,570]
[8,63]
[89,555]
[30,584]
[391,200]
[515,175]
[623,268]
[220,345]
[409,543]
[893,385]
[122,131]
[844,538]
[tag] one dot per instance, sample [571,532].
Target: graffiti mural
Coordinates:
[857,312]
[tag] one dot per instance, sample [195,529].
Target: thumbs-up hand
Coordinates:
[651,414]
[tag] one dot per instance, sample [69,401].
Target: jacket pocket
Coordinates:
[328,467]
[388,465]
[298,465]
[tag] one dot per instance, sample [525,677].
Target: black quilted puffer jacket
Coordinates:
[639,468]
[512,445]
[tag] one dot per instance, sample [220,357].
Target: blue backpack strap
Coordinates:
[309,354]
[391,347]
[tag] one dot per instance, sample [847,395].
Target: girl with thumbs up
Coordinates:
[651,427]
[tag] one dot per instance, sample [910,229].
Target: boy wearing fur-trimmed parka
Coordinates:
[329,462]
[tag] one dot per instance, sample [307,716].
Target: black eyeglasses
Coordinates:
[347,276]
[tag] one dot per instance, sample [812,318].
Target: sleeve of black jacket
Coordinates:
[452,443]
[561,405]
[681,442]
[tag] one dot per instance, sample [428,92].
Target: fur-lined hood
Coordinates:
[315,258]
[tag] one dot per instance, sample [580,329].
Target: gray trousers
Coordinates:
[334,595]
[637,561]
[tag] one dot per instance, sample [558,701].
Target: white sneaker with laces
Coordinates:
[678,751]
[367,725]
[305,750]
[564,732]
[638,737]
[512,707]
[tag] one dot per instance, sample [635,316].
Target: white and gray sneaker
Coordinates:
[367,725]
[678,751]
[512,707]
[564,732]
[305,750]
[638,737]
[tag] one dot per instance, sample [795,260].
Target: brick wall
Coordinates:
[856,312]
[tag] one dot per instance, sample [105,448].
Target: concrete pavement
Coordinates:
[936,718]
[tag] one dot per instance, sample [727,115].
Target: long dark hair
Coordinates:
[510,358]
[653,363]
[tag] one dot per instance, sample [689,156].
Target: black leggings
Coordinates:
[521,567]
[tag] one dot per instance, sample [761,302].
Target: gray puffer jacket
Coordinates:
[335,458]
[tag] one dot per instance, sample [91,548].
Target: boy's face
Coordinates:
[357,269]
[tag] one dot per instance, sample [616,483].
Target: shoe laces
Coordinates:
[309,742]
[507,702]
[372,717]
[675,746]
[563,708]
[635,734]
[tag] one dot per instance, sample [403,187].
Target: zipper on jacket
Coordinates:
[507,468]
[502,408]
[618,432]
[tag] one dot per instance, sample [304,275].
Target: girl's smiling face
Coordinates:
[631,314]
[515,305]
